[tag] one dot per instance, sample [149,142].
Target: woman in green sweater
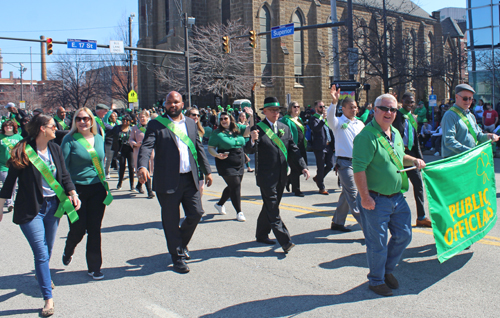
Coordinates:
[8,139]
[83,151]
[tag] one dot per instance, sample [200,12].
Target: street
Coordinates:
[233,276]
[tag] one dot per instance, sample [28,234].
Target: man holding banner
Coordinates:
[378,157]
[460,130]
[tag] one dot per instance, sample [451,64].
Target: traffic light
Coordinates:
[49,46]
[225,44]
[252,38]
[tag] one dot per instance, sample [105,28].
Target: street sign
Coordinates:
[82,44]
[282,30]
[432,100]
[116,47]
[22,104]
[132,97]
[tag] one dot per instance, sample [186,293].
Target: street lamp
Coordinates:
[188,22]
[131,56]
[22,69]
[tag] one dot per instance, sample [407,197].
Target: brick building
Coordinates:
[299,65]
[34,95]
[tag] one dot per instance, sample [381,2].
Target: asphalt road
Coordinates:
[232,276]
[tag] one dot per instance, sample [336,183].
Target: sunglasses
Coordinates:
[320,106]
[387,109]
[84,119]
[53,127]
[296,106]
[465,99]
[194,115]
[224,118]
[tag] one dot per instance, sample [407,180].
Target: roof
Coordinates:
[451,28]
[400,6]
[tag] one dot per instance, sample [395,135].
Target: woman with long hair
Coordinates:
[243,120]
[194,114]
[226,145]
[83,151]
[125,153]
[135,141]
[298,130]
[44,184]
[8,139]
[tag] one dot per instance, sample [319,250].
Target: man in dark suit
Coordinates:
[323,145]
[62,124]
[172,136]
[273,145]
[408,129]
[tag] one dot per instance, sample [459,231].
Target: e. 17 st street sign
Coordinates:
[82,44]
[282,30]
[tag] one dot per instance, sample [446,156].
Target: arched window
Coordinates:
[298,48]
[265,45]
[225,11]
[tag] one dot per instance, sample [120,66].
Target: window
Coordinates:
[265,46]
[225,11]
[330,50]
[298,49]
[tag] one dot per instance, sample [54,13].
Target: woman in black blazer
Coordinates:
[36,202]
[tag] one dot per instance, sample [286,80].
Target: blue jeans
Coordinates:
[391,214]
[41,233]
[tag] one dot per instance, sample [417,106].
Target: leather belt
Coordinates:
[344,158]
[384,195]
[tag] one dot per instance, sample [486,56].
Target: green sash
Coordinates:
[466,121]
[61,122]
[97,165]
[143,129]
[274,138]
[298,123]
[65,204]
[99,121]
[399,164]
[411,119]
[13,117]
[179,133]
[319,117]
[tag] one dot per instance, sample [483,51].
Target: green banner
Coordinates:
[462,199]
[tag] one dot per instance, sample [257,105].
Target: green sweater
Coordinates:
[5,150]
[78,160]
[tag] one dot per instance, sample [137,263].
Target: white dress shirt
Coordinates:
[343,137]
[185,165]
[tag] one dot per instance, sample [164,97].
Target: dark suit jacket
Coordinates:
[60,132]
[399,124]
[29,197]
[167,158]
[319,134]
[271,165]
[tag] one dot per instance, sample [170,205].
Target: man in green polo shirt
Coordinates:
[378,154]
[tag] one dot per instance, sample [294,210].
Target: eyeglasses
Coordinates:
[272,110]
[194,115]
[224,118]
[53,127]
[84,119]
[387,109]
[465,99]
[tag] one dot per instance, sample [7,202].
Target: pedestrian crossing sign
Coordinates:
[132,97]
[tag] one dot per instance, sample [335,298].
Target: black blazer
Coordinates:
[271,165]
[399,124]
[167,158]
[29,197]
[60,132]
[319,134]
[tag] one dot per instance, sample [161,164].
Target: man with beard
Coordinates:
[178,154]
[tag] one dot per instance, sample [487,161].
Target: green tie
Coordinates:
[410,135]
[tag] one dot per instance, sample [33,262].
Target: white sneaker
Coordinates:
[240,217]
[108,176]
[431,150]
[436,154]
[220,208]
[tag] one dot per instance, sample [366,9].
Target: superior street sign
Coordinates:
[282,30]
[82,44]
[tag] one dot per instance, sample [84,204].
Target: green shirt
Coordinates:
[5,150]
[421,114]
[368,155]
[364,117]
[78,160]
[208,132]
[224,140]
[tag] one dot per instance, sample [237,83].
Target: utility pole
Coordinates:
[384,51]
[43,61]
[186,56]
[335,42]
[131,54]
[350,36]
[21,70]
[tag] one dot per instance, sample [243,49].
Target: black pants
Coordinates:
[324,164]
[415,177]
[90,219]
[148,186]
[233,191]
[127,154]
[269,217]
[188,195]
[110,157]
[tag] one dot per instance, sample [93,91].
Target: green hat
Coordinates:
[271,102]
[425,120]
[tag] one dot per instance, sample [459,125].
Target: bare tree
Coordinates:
[80,81]
[488,62]
[451,65]
[212,70]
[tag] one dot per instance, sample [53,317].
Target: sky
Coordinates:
[88,20]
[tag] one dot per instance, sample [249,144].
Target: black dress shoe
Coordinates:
[180,266]
[66,259]
[287,187]
[341,228]
[299,194]
[288,246]
[266,241]
[186,253]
